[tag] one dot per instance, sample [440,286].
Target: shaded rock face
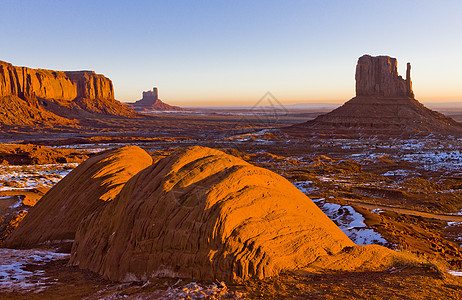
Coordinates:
[151,101]
[384,105]
[88,187]
[206,215]
[378,76]
[149,98]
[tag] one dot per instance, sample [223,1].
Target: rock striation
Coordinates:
[25,90]
[384,104]
[88,187]
[151,101]
[203,214]
[29,83]
[378,76]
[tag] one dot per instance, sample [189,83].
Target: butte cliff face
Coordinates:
[151,101]
[384,104]
[378,76]
[37,95]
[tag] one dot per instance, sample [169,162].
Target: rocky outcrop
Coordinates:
[29,83]
[151,101]
[99,179]
[384,104]
[206,215]
[29,96]
[378,76]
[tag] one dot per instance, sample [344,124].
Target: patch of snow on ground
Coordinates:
[455,273]
[351,223]
[14,277]
[306,187]
[396,173]
[377,211]
[454,224]
[21,177]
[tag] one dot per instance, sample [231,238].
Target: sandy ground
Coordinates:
[404,193]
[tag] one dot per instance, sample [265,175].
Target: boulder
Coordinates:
[93,183]
[203,214]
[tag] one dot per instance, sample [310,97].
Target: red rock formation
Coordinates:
[27,91]
[384,104]
[151,101]
[95,181]
[28,83]
[206,215]
[378,76]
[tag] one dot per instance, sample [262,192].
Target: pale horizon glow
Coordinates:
[233,52]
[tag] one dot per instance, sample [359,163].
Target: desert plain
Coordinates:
[105,200]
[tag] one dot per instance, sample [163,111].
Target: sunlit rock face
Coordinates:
[203,214]
[26,82]
[86,188]
[378,76]
[47,97]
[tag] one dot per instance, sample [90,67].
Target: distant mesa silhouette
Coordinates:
[151,101]
[384,104]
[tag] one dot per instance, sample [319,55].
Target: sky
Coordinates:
[233,52]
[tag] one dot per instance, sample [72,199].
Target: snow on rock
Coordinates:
[13,274]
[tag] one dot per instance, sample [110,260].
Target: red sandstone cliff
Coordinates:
[34,95]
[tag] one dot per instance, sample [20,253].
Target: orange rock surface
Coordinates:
[29,96]
[97,180]
[203,214]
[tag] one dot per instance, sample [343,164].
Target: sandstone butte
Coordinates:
[206,215]
[384,104]
[28,96]
[151,101]
[94,182]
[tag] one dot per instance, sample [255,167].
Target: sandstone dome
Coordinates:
[203,214]
[97,180]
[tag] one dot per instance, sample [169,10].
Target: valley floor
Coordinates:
[401,192]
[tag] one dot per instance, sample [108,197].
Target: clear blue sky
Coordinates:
[232,52]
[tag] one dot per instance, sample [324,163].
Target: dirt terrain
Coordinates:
[407,189]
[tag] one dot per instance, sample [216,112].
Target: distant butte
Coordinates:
[384,104]
[151,101]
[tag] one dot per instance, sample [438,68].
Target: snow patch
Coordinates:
[14,277]
[351,223]
[455,273]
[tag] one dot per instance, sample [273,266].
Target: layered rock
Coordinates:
[378,76]
[89,186]
[28,92]
[384,104]
[151,101]
[206,215]
[48,84]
